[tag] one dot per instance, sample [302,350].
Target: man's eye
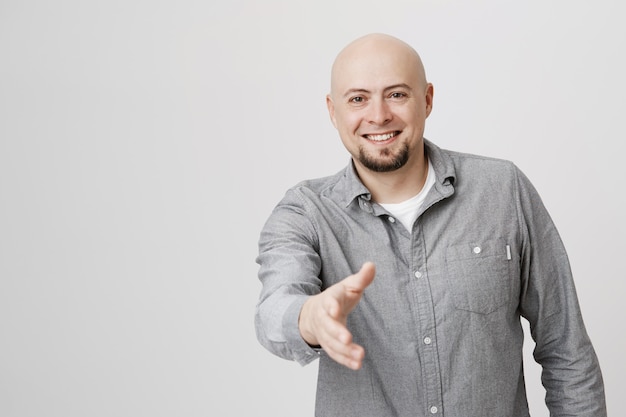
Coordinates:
[357,100]
[398,95]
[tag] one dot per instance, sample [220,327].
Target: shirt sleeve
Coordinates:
[570,370]
[289,269]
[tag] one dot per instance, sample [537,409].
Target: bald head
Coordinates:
[379,102]
[372,56]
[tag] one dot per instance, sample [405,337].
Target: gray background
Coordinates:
[144,143]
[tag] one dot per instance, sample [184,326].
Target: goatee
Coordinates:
[385,161]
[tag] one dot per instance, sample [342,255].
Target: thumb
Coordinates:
[348,292]
[357,283]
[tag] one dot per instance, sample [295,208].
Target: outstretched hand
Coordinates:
[323,317]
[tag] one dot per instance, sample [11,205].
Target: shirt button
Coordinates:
[477,250]
[433,410]
[418,274]
[392,220]
[427,340]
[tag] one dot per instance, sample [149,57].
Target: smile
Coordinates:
[382,137]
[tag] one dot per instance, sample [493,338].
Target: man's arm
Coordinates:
[289,270]
[293,314]
[571,373]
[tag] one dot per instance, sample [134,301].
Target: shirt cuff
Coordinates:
[303,353]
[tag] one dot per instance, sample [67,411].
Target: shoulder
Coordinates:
[476,168]
[318,186]
[339,188]
[462,167]
[475,161]
[299,211]
[491,177]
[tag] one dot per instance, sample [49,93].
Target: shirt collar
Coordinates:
[350,186]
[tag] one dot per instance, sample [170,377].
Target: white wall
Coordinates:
[144,143]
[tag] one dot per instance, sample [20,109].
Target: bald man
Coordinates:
[407,272]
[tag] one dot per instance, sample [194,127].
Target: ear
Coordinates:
[331,109]
[430,91]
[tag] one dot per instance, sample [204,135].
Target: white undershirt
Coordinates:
[407,210]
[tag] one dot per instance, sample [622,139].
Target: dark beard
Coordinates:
[379,165]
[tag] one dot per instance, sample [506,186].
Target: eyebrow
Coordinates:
[363,90]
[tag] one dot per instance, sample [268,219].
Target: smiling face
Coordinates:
[379,102]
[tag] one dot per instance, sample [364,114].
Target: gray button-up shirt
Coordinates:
[440,323]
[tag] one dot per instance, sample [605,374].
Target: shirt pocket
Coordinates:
[478,275]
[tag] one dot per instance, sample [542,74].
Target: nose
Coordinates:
[379,113]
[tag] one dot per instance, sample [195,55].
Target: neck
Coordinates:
[395,186]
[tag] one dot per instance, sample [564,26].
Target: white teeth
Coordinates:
[380,138]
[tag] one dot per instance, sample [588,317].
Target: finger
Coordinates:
[350,356]
[336,341]
[333,331]
[358,282]
[349,291]
[347,354]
